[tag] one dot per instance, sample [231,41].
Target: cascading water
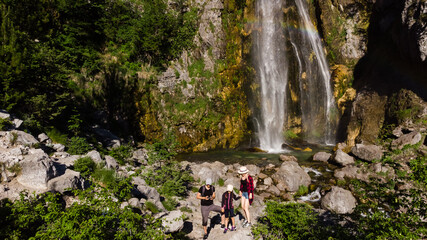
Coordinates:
[293,75]
[322,76]
[272,73]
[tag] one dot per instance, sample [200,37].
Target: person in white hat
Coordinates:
[247,193]
[207,194]
[227,205]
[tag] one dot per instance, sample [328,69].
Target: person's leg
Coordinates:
[232,222]
[205,215]
[218,209]
[245,207]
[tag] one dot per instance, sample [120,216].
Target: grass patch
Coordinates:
[152,207]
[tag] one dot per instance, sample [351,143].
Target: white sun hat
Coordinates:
[229,187]
[243,170]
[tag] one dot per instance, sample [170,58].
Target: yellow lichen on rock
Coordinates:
[346,99]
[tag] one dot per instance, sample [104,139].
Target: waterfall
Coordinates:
[272,72]
[323,71]
[293,74]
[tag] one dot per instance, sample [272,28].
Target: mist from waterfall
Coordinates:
[282,43]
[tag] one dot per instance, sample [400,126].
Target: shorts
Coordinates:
[229,212]
[245,195]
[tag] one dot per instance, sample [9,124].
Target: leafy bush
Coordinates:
[302,190]
[287,221]
[4,124]
[152,207]
[86,166]
[121,154]
[56,136]
[94,216]
[419,170]
[78,146]
[105,176]
[169,203]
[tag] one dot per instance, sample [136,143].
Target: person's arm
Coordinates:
[250,187]
[213,196]
[235,197]
[199,196]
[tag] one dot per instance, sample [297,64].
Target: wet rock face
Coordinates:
[367,117]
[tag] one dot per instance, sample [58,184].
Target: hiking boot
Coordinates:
[233,229]
[225,230]
[247,224]
[205,236]
[222,225]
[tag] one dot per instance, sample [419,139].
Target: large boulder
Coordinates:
[407,139]
[106,137]
[96,156]
[322,157]
[291,176]
[367,152]
[173,221]
[22,138]
[343,158]
[36,173]
[339,201]
[69,180]
[214,171]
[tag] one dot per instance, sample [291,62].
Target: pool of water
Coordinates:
[249,157]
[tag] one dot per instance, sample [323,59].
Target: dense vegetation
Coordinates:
[389,207]
[64,61]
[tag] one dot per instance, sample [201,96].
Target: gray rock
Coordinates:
[134,202]
[36,173]
[367,152]
[343,158]
[140,155]
[173,221]
[339,201]
[69,180]
[406,139]
[42,137]
[17,122]
[274,190]
[268,181]
[4,115]
[288,158]
[147,192]
[322,156]
[58,147]
[111,162]
[95,155]
[351,172]
[23,138]
[107,138]
[292,176]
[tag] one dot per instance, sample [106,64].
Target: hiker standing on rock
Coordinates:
[247,193]
[227,205]
[207,194]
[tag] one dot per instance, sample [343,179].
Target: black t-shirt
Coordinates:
[207,192]
[244,184]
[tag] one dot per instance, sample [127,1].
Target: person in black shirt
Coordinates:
[207,194]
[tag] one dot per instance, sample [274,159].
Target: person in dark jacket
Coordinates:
[247,193]
[207,194]
[227,205]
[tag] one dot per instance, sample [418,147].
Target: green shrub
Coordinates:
[221,182]
[97,215]
[170,203]
[5,124]
[186,209]
[302,190]
[105,176]
[16,168]
[286,221]
[78,146]
[86,166]
[56,136]
[121,154]
[152,207]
